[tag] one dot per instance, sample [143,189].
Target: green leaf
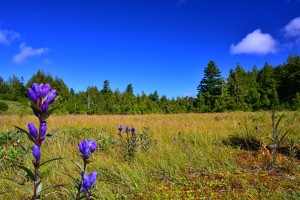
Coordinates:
[77,181]
[25,187]
[28,171]
[49,135]
[53,159]
[35,109]
[78,165]
[72,196]
[53,186]
[48,113]
[30,137]
[39,188]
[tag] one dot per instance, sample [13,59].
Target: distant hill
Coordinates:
[16,108]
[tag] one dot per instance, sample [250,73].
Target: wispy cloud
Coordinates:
[26,52]
[6,37]
[292,29]
[255,43]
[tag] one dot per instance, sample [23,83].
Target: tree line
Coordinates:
[243,90]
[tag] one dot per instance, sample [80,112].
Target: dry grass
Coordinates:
[187,161]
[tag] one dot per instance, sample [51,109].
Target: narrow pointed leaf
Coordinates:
[77,181]
[53,186]
[35,109]
[49,135]
[72,196]
[48,113]
[25,187]
[39,188]
[28,171]
[78,165]
[30,137]
[53,159]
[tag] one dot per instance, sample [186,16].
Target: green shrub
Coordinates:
[3,106]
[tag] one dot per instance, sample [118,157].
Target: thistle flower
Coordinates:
[36,152]
[120,128]
[43,129]
[32,130]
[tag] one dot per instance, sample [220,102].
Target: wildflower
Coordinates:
[127,129]
[120,128]
[132,129]
[36,152]
[43,129]
[88,181]
[32,130]
[52,96]
[36,89]
[45,106]
[45,89]
[32,95]
[86,147]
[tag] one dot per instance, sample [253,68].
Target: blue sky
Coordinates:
[161,45]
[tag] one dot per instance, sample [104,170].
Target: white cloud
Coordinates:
[8,36]
[293,28]
[255,43]
[27,51]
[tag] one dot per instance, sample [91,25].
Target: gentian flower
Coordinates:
[88,181]
[32,130]
[132,129]
[127,129]
[36,152]
[120,128]
[86,147]
[36,89]
[52,96]
[92,146]
[93,178]
[32,95]
[43,129]
[45,106]
[45,89]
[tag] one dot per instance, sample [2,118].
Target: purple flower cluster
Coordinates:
[88,181]
[41,95]
[127,129]
[86,147]
[34,132]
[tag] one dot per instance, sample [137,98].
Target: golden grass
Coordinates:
[186,145]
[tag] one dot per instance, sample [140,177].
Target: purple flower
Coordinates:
[86,147]
[43,129]
[88,181]
[45,106]
[36,152]
[120,128]
[127,129]
[45,89]
[92,146]
[93,178]
[32,95]
[52,96]
[32,130]
[132,129]
[36,89]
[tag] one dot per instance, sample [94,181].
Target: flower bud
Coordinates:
[52,96]
[120,128]
[132,129]
[43,129]
[32,130]
[36,88]
[36,152]
[45,106]
[45,89]
[127,129]
[80,147]
[32,95]
[85,144]
[92,178]
[92,146]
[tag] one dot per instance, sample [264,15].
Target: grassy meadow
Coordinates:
[187,157]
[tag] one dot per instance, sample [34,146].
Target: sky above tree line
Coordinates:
[161,45]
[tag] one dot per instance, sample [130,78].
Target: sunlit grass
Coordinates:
[187,159]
